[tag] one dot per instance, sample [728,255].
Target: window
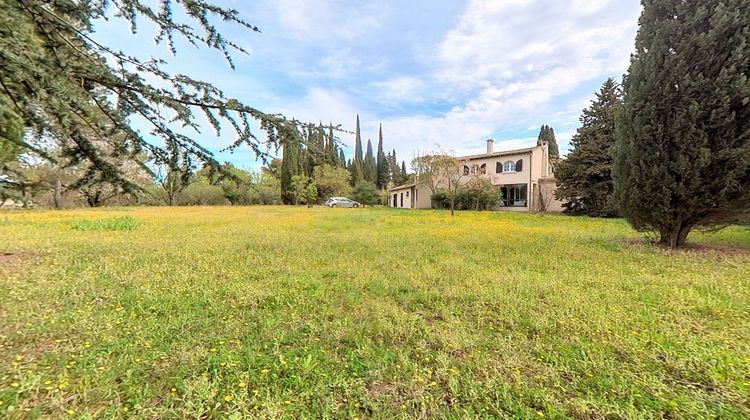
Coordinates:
[466,170]
[514,195]
[509,166]
[473,169]
[483,169]
[407,194]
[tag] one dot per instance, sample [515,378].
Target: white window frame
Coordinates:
[509,166]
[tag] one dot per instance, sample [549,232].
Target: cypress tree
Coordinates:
[683,131]
[357,143]
[357,167]
[332,156]
[382,163]
[370,166]
[547,133]
[584,177]
[290,164]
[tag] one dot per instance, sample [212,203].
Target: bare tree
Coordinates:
[425,171]
[546,194]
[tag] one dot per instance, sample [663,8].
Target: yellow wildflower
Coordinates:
[228,398]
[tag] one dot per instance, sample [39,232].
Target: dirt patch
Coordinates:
[11,261]
[711,250]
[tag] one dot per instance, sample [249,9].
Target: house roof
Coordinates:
[501,153]
[404,186]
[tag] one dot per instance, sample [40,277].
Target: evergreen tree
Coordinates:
[290,164]
[394,168]
[683,131]
[370,166]
[547,133]
[382,162]
[366,193]
[357,167]
[584,177]
[61,77]
[332,155]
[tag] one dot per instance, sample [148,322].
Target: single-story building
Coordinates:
[525,178]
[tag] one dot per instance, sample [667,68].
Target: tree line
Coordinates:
[313,159]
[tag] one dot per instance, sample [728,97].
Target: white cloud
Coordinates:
[512,60]
[401,89]
[315,20]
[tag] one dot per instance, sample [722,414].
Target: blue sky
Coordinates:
[448,72]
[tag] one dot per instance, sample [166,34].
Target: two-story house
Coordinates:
[524,176]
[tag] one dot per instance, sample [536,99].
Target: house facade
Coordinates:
[524,177]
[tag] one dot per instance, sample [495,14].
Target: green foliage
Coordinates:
[70,88]
[202,193]
[683,132]
[331,181]
[398,174]
[366,193]
[382,166]
[291,164]
[11,139]
[110,223]
[266,189]
[479,194]
[584,177]
[547,133]
[370,170]
[178,171]
[311,194]
[299,191]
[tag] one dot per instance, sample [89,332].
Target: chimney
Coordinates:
[490,146]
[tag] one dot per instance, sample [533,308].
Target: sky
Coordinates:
[431,72]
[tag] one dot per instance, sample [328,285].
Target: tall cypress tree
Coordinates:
[370,166]
[332,155]
[382,163]
[393,167]
[290,163]
[547,133]
[683,132]
[357,168]
[584,177]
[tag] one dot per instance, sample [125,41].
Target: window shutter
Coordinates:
[519,165]
[498,167]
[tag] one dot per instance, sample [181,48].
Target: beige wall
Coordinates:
[404,198]
[423,197]
[418,197]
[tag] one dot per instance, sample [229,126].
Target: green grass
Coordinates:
[296,312]
[110,223]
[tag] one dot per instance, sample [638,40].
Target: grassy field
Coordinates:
[346,313]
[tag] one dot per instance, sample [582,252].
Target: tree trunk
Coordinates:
[452,206]
[57,194]
[675,237]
